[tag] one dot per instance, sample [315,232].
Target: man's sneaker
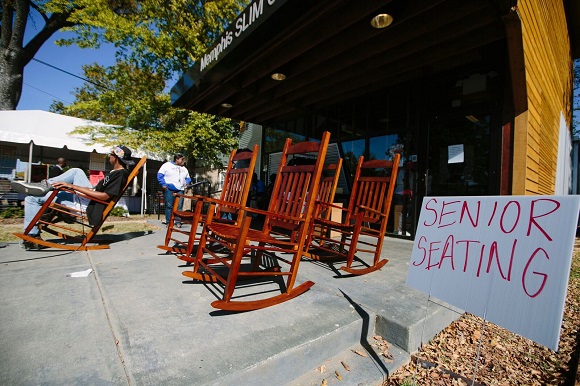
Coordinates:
[32,188]
[30,246]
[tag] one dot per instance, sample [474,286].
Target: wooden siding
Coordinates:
[548,67]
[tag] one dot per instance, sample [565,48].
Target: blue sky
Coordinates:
[43,84]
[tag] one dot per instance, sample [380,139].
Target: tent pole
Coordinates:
[29,168]
[144,190]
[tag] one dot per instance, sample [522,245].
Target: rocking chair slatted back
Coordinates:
[235,191]
[328,185]
[238,179]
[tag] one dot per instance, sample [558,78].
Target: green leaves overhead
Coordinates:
[169,34]
[133,99]
[156,42]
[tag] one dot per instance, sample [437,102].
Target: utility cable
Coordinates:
[71,74]
[44,92]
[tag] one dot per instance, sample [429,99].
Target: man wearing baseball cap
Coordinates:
[76,180]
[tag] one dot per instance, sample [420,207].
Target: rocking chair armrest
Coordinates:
[194,197]
[367,209]
[217,201]
[65,189]
[275,215]
[328,204]
[247,209]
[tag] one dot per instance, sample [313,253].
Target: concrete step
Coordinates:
[383,312]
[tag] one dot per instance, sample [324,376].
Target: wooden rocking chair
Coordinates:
[366,215]
[281,240]
[81,236]
[326,193]
[235,191]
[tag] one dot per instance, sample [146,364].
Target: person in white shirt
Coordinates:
[173,178]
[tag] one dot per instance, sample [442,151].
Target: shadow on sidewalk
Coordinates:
[364,334]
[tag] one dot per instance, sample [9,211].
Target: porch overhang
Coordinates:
[329,52]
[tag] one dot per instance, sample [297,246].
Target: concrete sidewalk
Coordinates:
[136,320]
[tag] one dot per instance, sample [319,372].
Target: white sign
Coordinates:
[455,154]
[506,259]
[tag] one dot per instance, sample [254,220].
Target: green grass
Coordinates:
[109,227]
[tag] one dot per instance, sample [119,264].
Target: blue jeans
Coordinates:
[32,204]
[169,200]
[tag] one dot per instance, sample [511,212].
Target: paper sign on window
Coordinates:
[455,154]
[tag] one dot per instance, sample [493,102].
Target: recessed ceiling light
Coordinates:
[278,76]
[227,105]
[382,20]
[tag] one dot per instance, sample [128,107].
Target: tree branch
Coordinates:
[55,22]
[40,11]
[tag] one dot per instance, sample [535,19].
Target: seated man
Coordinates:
[108,188]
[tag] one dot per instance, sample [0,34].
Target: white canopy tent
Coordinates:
[45,129]
[42,128]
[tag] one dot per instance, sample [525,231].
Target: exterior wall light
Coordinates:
[278,76]
[226,105]
[382,20]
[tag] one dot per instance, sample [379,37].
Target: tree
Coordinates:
[156,40]
[170,34]
[14,56]
[132,100]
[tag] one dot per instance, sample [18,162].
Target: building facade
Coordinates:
[476,95]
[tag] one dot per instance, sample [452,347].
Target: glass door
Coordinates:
[459,155]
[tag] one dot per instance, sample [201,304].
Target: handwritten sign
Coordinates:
[506,259]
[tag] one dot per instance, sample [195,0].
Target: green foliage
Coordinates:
[168,35]
[118,211]
[12,212]
[157,41]
[133,101]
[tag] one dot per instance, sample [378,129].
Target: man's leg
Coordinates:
[73,176]
[180,208]
[32,205]
[169,199]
